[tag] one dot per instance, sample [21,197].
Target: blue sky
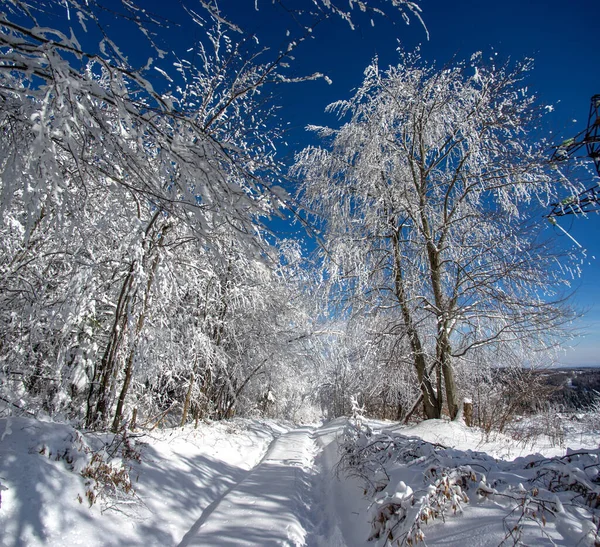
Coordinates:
[562,39]
[560,36]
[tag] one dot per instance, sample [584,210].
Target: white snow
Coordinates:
[254,483]
[269,505]
[183,471]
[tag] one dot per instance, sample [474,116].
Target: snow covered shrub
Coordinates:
[108,472]
[412,483]
[399,517]
[104,463]
[562,491]
[106,469]
[398,513]
[592,416]
[505,394]
[552,424]
[103,460]
[358,410]
[549,422]
[106,480]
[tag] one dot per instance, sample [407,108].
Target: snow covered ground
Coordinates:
[182,473]
[440,484]
[251,482]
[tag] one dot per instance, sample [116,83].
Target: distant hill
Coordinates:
[576,388]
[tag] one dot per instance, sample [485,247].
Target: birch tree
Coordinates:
[425,194]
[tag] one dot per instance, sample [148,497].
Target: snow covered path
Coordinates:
[238,483]
[260,484]
[270,506]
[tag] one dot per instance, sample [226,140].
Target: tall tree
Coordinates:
[133,189]
[102,176]
[425,196]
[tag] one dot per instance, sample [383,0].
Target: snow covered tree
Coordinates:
[426,195]
[134,265]
[357,361]
[107,184]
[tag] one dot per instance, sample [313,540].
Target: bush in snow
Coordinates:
[592,416]
[108,472]
[398,513]
[103,461]
[559,496]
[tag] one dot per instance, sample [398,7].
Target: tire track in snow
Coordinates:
[268,506]
[214,504]
[339,512]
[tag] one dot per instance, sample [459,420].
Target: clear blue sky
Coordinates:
[560,36]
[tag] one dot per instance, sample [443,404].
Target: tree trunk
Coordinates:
[468,413]
[138,330]
[124,389]
[97,402]
[102,385]
[438,378]
[186,403]
[444,359]
[430,402]
[451,391]
[399,411]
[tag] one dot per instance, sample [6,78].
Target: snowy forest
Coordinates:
[166,261]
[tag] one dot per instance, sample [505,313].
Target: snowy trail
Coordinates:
[231,484]
[270,506]
[340,510]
